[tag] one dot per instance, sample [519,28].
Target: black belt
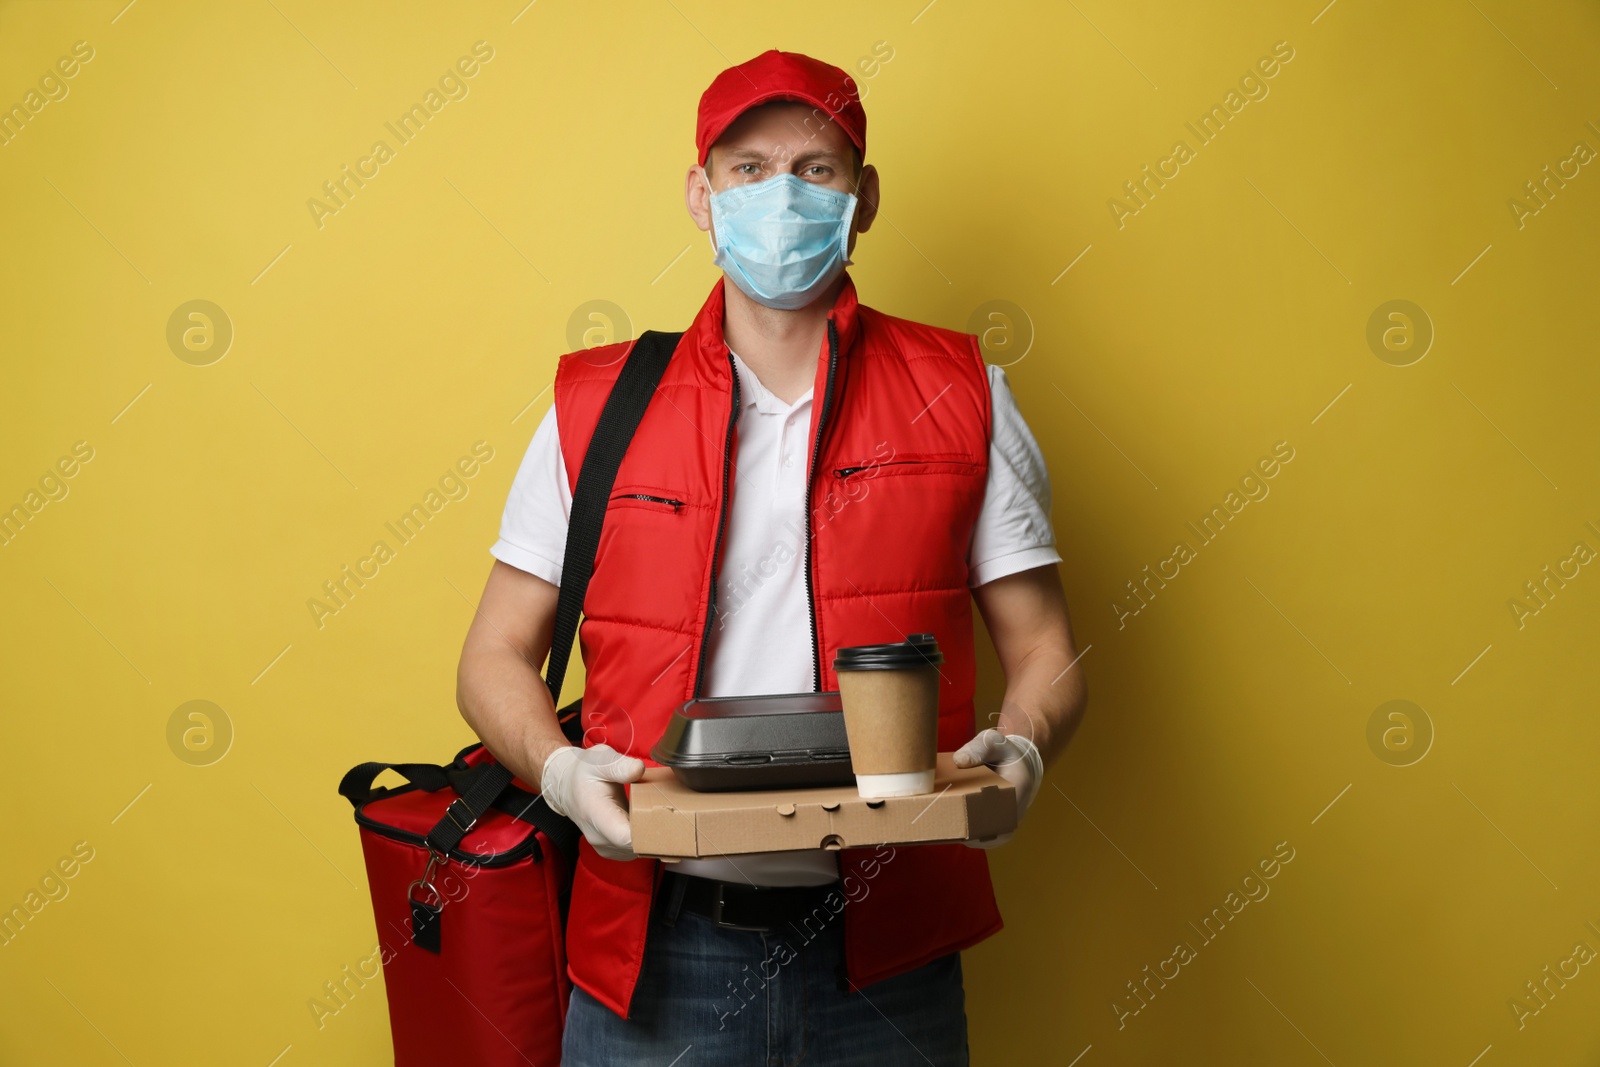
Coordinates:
[736,906]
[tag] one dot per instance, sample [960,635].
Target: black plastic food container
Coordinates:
[783,741]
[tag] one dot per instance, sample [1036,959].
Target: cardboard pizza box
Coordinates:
[671,821]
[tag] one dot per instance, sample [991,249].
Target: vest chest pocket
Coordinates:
[902,521]
[646,523]
[902,463]
[890,484]
[649,498]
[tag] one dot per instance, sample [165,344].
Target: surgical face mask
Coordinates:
[783,240]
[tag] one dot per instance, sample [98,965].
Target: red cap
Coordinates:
[775,75]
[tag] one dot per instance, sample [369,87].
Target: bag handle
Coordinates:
[356,785]
[624,408]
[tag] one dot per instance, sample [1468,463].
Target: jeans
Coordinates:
[709,996]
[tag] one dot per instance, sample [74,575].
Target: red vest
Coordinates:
[895,487]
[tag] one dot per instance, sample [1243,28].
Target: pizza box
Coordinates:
[671,821]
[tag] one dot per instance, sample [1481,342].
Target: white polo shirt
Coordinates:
[762,640]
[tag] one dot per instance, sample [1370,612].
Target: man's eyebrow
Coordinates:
[742,155]
[820,153]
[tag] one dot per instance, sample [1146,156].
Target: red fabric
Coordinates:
[496,994]
[889,557]
[775,75]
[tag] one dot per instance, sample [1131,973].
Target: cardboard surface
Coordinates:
[671,821]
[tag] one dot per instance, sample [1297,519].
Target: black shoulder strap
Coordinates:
[636,383]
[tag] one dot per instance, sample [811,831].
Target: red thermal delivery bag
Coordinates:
[471,938]
[470,870]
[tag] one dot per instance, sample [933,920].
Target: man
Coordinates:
[810,474]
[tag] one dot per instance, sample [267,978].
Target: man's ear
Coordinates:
[867,198]
[697,196]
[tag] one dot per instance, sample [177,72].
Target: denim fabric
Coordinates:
[712,996]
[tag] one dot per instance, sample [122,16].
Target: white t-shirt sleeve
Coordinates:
[533,527]
[1013,532]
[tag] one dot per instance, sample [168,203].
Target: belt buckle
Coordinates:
[716,914]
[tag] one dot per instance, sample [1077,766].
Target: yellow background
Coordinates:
[427,314]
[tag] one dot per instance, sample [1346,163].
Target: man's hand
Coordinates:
[585,785]
[1014,758]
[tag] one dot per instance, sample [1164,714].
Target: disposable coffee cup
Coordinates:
[890,697]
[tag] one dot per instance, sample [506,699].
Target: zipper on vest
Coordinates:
[816,455]
[722,514]
[846,472]
[676,504]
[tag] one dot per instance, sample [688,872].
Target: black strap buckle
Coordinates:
[455,817]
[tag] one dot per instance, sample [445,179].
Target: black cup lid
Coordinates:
[917,650]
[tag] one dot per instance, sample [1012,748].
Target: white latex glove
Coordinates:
[1014,758]
[584,784]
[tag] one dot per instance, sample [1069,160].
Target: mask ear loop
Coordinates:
[844,228]
[715,251]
